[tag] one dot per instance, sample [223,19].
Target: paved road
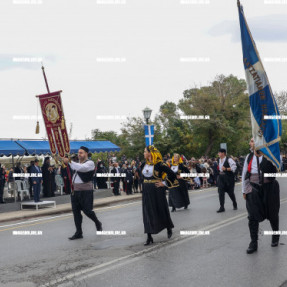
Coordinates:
[218,259]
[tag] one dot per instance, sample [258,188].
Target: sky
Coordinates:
[112,58]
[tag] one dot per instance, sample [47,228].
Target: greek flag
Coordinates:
[149,134]
[266,132]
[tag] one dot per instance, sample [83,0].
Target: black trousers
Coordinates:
[83,201]
[226,184]
[263,203]
[116,188]
[129,187]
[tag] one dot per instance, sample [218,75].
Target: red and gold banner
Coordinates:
[53,115]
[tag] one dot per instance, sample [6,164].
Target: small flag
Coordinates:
[149,134]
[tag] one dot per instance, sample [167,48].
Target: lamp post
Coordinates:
[147,113]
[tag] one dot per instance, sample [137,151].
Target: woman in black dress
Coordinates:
[178,195]
[156,216]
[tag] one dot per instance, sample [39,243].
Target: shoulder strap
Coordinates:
[258,167]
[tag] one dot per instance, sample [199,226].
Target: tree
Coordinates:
[225,101]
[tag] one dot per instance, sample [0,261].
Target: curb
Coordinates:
[64,208]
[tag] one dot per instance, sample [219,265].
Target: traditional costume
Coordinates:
[178,195]
[262,197]
[156,216]
[226,181]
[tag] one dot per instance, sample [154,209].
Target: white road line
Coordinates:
[117,263]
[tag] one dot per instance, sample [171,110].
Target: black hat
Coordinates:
[85,149]
[222,150]
[36,160]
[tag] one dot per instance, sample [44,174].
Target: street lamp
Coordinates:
[147,113]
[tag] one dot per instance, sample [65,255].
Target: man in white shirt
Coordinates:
[82,196]
[262,195]
[226,180]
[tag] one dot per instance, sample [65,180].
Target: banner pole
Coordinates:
[45,78]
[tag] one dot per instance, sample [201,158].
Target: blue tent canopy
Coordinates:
[33,147]
[10,147]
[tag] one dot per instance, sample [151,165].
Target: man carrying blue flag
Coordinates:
[262,193]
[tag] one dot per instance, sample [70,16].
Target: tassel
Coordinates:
[63,123]
[37,128]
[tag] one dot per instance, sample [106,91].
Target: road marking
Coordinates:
[119,262]
[60,217]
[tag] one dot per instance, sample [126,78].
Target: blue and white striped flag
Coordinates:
[266,132]
[149,134]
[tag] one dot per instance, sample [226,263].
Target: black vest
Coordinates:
[86,176]
[226,165]
[265,167]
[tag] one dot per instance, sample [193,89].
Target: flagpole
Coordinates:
[45,78]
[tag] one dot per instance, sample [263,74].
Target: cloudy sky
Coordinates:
[112,58]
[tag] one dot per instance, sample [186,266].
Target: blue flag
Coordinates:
[266,132]
[149,134]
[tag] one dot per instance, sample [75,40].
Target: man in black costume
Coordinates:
[262,195]
[225,179]
[82,196]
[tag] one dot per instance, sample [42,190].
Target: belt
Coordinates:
[152,180]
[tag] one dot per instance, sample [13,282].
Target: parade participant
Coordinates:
[178,195]
[36,180]
[82,196]
[156,216]
[262,195]
[226,182]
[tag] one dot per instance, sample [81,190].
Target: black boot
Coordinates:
[173,209]
[169,233]
[98,224]
[76,236]
[221,209]
[252,247]
[253,228]
[149,239]
[275,227]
